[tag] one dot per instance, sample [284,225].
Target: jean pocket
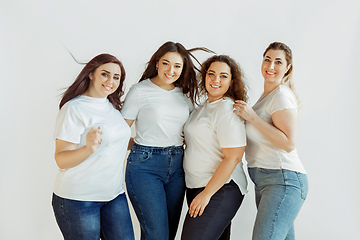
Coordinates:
[136,156]
[304,185]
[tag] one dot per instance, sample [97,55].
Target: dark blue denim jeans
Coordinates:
[215,222]
[83,220]
[279,193]
[156,187]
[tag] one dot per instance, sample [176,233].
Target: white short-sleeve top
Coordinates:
[160,114]
[210,128]
[259,151]
[100,176]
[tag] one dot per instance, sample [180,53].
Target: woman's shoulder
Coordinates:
[283,90]
[72,103]
[226,103]
[224,106]
[141,84]
[285,96]
[82,102]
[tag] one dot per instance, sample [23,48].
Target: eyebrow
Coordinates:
[109,72]
[275,58]
[169,61]
[220,73]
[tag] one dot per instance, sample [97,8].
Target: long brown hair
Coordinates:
[237,89]
[82,81]
[187,81]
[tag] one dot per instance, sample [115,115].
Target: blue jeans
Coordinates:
[86,220]
[215,222]
[156,187]
[279,194]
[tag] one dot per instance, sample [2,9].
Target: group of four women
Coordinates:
[92,136]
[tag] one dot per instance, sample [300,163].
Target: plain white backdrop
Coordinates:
[35,67]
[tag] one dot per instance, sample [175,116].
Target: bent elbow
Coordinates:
[238,160]
[59,163]
[289,148]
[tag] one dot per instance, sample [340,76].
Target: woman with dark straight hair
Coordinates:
[160,105]
[215,143]
[281,183]
[91,137]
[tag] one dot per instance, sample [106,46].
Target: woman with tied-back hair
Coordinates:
[280,179]
[160,105]
[91,135]
[215,143]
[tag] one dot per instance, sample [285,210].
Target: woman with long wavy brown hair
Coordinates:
[159,105]
[91,139]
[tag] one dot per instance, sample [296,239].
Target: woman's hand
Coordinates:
[67,155]
[282,133]
[198,204]
[93,139]
[242,109]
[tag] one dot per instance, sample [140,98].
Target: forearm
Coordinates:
[221,175]
[71,158]
[131,143]
[273,134]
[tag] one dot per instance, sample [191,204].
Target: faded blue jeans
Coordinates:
[86,220]
[279,194]
[156,188]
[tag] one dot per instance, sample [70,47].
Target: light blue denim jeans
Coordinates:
[156,187]
[279,194]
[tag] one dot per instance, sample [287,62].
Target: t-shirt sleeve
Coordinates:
[281,101]
[69,125]
[131,105]
[231,131]
[190,104]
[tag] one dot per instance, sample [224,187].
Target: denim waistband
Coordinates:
[175,149]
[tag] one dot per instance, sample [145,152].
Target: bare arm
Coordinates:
[232,156]
[129,122]
[284,131]
[131,141]
[66,154]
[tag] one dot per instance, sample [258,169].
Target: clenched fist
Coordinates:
[93,139]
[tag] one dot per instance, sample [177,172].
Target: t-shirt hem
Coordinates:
[89,200]
[278,168]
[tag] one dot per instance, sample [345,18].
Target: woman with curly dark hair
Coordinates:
[215,143]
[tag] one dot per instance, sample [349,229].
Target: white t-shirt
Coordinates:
[160,114]
[259,151]
[210,128]
[100,176]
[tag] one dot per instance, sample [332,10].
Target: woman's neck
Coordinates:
[268,88]
[155,80]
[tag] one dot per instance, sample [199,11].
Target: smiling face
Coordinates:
[169,68]
[104,80]
[217,80]
[274,66]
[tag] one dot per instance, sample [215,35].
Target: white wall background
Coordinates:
[35,66]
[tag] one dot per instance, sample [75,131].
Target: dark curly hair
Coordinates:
[237,89]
